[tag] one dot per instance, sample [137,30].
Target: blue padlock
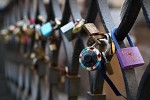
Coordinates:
[46,29]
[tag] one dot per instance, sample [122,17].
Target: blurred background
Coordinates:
[140,34]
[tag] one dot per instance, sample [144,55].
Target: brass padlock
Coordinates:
[58,21]
[41,18]
[52,46]
[17,31]
[90,28]
[37,32]
[71,29]
[78,26]
[39,51]
[56,24]
[28,30]
[108,65]
[93,32]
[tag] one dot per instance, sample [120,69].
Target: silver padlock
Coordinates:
[107,63]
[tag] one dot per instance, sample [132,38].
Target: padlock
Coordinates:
[71,29]
[4,35]
[67,30]
[39,52]
[78,26]
[20,23]
[90,58]
[56,24]
[112,48]
[104,54]
[90,41]
[90,28]
[28,29]
[37,32]
[94,38]
[4,31]
[58,21]
[41,18]
[37,35]
[11,28]
[46,29]
[52,46]
[93,32]
[129,57]
[17,31]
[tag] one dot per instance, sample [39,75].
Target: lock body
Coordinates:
[129,57]
[67,30]
[90,28]
[52,47]
[46,29]
[78,26]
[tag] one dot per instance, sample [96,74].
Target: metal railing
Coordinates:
[28,83]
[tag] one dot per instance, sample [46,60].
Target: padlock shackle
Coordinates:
[130,40]
[107,45]
[115,40]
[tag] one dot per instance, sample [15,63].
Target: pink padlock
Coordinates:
[129,57]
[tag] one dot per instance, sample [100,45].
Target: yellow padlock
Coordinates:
[78,26]
[52,47]
[41,18]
